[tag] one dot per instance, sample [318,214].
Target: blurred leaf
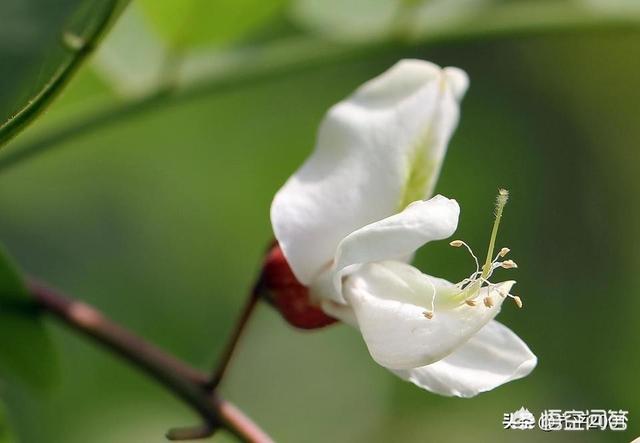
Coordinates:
[186,46]
[366,20]
[202,22]
[132,57]
[41,46]
[147,51]
[25,351]
[135,63]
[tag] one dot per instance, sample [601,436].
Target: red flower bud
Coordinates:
[288,295]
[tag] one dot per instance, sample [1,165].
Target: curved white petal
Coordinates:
[376,151]
[398,236]
[492,357]
[390,301]
[342,312]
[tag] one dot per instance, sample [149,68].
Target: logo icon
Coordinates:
[521,419]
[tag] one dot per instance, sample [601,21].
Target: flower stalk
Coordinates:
[227,354]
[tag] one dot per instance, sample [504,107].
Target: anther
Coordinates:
[503,252]
[518,301]
[488,302]
[428,314]
[470,302]
[459,243]
[509,264]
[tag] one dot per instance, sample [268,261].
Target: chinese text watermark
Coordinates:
[569,420]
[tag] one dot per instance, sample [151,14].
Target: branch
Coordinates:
[185,382]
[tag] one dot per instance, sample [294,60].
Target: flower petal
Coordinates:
[340,311]
[377,151]
[398,236]
[492,357]
[391,301]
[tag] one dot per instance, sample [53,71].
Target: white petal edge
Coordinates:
[390,299]
[368,147]
[492,357]
[396,237]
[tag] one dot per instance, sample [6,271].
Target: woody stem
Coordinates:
[187,383]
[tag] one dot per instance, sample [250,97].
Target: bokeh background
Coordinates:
[160,219]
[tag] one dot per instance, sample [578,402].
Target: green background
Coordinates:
[161,219]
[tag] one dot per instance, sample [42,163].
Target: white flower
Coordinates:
[350,219]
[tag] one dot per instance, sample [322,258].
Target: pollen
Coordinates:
[502,199]
[518,301]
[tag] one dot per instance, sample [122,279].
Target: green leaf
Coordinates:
[132,70]
[189,23]
[26,353]
[171,38]
[41,46]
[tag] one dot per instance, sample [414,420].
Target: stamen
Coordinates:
[487,282]
[470,287]
[429,314]
[517,300]
[458,243]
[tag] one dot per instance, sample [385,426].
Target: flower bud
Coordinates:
[288,295]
